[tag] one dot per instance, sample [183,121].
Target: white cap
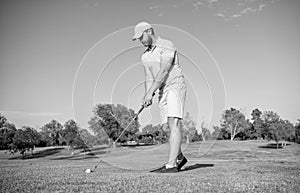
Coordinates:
[139,29]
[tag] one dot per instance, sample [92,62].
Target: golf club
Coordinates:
[113,144]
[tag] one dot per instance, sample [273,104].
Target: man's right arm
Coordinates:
[149,78]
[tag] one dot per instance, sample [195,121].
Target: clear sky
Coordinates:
[59,58]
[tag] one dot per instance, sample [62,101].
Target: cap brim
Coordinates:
[134,38]
[137,36]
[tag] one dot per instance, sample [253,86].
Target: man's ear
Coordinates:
[149,31]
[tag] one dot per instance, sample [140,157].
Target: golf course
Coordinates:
[214,166]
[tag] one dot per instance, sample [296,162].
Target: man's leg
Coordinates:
[165,127]
[175,140]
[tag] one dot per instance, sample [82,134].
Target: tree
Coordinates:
[289,133]
[248,132]
[158,134]
[189,127]
[257,124]
[270,119]
[256,114]
[96,127]
[113,119]
[24,140]
[196,136]
[282,130]
[89,139]
[7,133]
[52,131]
[278,129]
[206,135]
[3,120]
[297,131]
[124,116]
[216,132]
[46,140]
[148,129]
[71,135]
[220,133]
[234,121]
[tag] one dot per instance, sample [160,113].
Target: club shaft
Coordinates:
[111,146]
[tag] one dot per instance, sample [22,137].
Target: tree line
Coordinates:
[26,138]
[109,121]
[266,125]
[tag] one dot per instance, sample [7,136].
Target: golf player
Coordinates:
[164,74]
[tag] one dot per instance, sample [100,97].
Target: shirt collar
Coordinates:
[152,47]
[157,41]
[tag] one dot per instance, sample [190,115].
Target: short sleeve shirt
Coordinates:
[163,50]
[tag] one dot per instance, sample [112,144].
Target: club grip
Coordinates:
[142,107]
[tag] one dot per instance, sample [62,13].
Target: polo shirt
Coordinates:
[163,50]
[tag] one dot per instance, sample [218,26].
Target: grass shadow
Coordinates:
[196,166]
[40,154]
[273,146]
[75,158]
[95,149]
[90,155]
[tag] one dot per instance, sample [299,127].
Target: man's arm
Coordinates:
[168,55]
[149,78]
[165,67]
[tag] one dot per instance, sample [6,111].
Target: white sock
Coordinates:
[169,166]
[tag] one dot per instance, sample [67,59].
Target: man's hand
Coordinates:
[147,101]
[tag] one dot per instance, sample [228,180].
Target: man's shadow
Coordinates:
[196,166]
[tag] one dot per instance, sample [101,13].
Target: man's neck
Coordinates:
[154,39]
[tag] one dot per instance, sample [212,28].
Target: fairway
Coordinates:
[214,166]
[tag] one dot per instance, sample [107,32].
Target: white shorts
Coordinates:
[171,102]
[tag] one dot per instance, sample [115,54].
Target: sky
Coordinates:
[60,58]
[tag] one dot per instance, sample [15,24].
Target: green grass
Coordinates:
[221,166]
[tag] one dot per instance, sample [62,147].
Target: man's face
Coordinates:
[146,39]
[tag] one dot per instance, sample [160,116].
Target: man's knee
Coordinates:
[174,122]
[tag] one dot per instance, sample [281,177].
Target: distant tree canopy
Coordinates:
[51,133]
[233,121]
[276,128]
[220,133]
[7,133]
[206,133]
[158,134]
[87,138]
[71,134]
[3,120]
[257,129]
[189,128]
[95,126]
[24,140]
[113,119]
[109,121]
[263,125]
[297,131]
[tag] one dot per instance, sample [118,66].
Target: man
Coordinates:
[163,72]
